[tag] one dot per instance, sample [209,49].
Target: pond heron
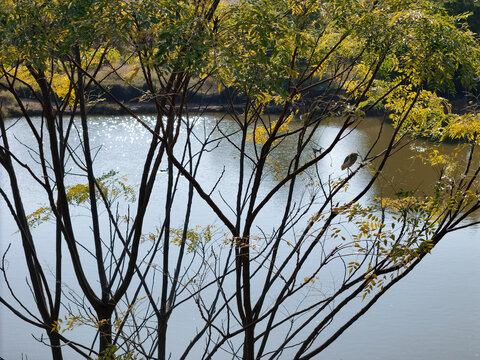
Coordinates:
[349,160]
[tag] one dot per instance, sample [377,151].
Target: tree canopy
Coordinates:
[308,62]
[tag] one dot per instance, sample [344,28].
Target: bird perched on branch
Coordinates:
[349,160]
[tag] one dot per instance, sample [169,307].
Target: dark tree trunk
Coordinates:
[105,331]
[55,346]
[162,337]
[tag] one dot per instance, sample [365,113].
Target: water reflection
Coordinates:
[122,143]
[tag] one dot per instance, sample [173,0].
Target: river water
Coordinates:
[434,313]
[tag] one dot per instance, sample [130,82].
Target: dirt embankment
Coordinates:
[208,98]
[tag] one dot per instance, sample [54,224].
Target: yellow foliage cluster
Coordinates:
[193,237]
[372,281]
[311,280]
[112,188]
[78,194]
[357,83]
[260,134]
[39,216]
[463,127]
[373,236]
[426,117]
[404,204]
[70,322]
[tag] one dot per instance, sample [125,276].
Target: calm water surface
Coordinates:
[434,313]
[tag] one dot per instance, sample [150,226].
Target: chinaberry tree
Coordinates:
[286,69]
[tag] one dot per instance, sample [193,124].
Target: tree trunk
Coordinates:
[248,345]
[162,337]
[55,346]
[105,332]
